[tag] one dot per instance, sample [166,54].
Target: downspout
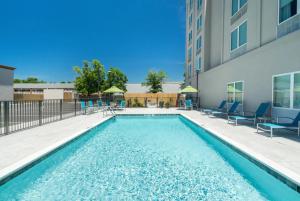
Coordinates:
[223,33]
[260,25]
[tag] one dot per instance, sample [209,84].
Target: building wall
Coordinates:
[6,84]
[256,69]
[272,48]
[52,94]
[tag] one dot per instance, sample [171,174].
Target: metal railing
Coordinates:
[18,115]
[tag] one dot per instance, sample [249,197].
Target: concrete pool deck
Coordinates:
[280,153]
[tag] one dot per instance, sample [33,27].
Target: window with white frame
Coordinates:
[191,4]
[198,63]
[199,23]
[286,90]
[190,70]
[296,103]
[199,43]
[235,91]
[236,5]
[190,54]
[190,20]
[190,36]
[199,5]
[239,36]
[288,8]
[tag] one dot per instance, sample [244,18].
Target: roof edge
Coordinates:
[7,67]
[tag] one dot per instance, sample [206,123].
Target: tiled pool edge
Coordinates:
[279,172]
[17,168]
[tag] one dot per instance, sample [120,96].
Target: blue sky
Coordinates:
[46,38]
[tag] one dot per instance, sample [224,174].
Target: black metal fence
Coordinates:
[18,115]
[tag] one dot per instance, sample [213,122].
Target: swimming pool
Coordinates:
[146,158]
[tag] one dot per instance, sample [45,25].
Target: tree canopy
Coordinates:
[115,77]
[154,80]
[91,77]
[29,80]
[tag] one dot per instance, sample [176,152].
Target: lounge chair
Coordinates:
[232,110]
[260,112]
[219,108]
[100,105]
[83,106]
[181,104]
[270,127]
[122,104]
[91,106]
[188,104]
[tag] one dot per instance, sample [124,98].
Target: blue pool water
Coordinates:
[146,158]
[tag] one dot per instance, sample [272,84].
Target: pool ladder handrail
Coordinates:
[108,108]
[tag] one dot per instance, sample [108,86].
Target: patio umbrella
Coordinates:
[188,89]
[113,89]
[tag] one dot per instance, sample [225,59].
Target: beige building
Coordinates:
[44,91]
[247,51]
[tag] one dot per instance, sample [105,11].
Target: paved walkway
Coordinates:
[281,152]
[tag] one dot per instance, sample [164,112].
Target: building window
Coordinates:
[191,20]
[190,54]
[286,91]
[287,9]
[190,70]
[190,36]
[239,36]
[198,62]
[199,43]
[199,5]
[297,91]
[235,91]
[191,4]
[281,91]
[236,5]
[199,23]
[234,39]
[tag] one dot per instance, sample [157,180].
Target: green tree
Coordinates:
[91,77]
[154,80]
[115,77]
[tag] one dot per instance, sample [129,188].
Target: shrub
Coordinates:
[167,104]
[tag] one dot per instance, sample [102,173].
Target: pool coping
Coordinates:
[17,168]
[281,173]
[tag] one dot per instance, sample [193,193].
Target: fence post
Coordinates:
[6,117]
[60,108]
[40,113]
[75,106]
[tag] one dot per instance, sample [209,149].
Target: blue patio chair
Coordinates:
[123,104]
[188,104]
[232,110]
[83,106]
[260,112]
[99,104]
[219,108]
[91,106]
[270,127]
[107,103]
